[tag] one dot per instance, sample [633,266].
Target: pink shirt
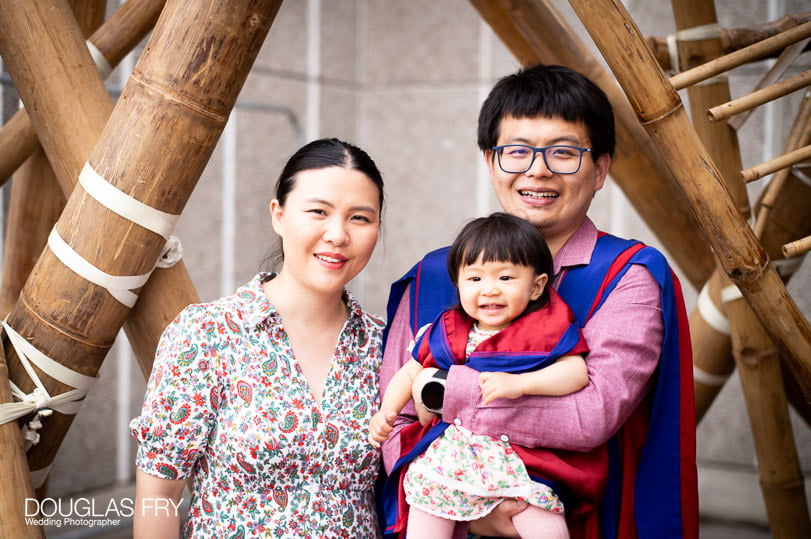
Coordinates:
[624,338]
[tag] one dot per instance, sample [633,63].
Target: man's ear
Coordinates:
[601,170]
[490,162]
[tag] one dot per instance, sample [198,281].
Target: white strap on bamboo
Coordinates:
[716,319]
[697,33]
[100,60]
[119,286]
[710,313]
[707,378]
[115,200]
[731,293]
[162,223]
[126,206]
[39,401]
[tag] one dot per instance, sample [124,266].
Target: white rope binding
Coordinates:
[112,198]
[711,314]
[39,402]
[119,286]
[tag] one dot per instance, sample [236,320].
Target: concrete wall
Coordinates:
[404,80]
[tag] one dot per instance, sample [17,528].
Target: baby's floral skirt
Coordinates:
[463,476]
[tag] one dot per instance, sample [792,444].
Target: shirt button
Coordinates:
[457,421]
[505,438]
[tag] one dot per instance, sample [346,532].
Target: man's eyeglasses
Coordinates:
[560,159]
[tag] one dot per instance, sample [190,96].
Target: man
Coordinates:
[547,134]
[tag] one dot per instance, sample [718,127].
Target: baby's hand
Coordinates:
[380,427]
[499,385]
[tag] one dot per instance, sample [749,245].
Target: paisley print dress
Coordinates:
[227,404]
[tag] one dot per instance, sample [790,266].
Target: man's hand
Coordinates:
[380,427]
[500,385]
[498,523]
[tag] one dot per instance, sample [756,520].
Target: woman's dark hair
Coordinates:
[321,153]
[501,237]
[549,91]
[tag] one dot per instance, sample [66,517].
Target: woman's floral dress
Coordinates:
[227,404]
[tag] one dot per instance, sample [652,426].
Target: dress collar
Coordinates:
[257,308]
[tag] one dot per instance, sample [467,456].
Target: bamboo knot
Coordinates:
[744,274]
[753,357]
[658,117]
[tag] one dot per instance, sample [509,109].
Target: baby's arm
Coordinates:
[398,393]
[566,375]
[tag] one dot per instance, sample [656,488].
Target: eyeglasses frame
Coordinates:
[542,150]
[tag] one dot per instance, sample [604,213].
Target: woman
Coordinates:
[263,397]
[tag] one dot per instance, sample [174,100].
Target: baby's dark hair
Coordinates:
[501,237]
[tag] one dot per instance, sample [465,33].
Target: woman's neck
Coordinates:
[294,301]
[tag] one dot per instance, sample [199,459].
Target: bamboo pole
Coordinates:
[36,201]
[770,222]
[115,38]
[753,351]
[778,163]
[796,248]
[535,32]
[760,97]
[35,204]
[13,500]
[709,329]
[17,141]
[30,218]
[784,61]
[73,101]
[711,345]
[659,108]
[154,148]
[782,216]
[738,58]
[781,478]
[732,39]
[132,21]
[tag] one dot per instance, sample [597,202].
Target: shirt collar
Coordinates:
[257,308]
[579,247]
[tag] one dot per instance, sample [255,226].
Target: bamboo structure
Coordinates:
[154,145]
[113,40]
[732,39]
[661,112]
[130,23]
[180,95]
[778,163]
[798,247]
[536,33]
[740,57]
[760,97]
[786,58]
[782,216]
[754,354]
[709,327]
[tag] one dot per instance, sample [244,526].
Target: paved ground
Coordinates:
[708,530]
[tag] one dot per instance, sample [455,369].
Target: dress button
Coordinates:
[505,438]
[457,421]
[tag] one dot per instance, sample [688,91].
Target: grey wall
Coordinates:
[404,80]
